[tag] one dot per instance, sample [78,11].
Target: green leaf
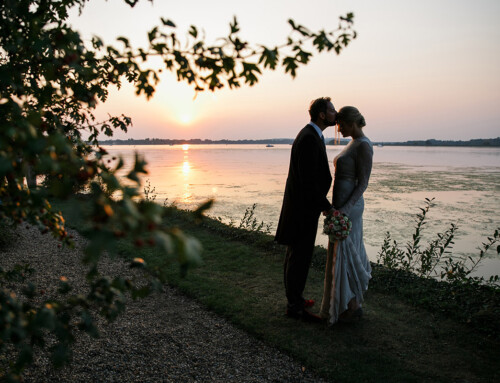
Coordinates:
[46,317]
[124,41]
[64,286]
[192,250]
[25,357]
[290,66]
[234,26]
[87,324]
[269,58]
[167,22]
[193,31]
[29,290]
[299,28]
[164,242]
[203,207]
[152,34]
[61,355]
[248,72]
[99,241]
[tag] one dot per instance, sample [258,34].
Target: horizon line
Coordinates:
[286,138]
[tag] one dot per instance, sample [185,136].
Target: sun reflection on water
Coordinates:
[187,195]
[186,168]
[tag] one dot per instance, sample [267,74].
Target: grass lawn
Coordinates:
[241,280]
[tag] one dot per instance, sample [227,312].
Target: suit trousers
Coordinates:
[296,268]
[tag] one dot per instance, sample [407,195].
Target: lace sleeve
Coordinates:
[364,158]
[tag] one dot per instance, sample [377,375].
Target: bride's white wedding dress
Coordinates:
[348,269]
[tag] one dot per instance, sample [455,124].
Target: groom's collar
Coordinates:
[317,129]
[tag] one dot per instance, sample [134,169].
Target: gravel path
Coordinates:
[166,337]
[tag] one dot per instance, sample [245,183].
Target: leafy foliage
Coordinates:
[249,221]
[434,278]
[436,259]
[248,229]
[50,84]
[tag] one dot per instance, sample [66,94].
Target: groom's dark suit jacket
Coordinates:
[307,185]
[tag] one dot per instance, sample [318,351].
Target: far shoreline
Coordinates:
[479,142]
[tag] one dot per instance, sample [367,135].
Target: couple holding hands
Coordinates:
[309,179]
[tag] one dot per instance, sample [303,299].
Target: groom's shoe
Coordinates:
[310,317]
[309,303]
[304,315]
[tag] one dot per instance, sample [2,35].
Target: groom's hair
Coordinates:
[317,106]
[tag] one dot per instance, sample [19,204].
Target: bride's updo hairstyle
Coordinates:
[351,115]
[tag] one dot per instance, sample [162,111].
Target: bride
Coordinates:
[347,268]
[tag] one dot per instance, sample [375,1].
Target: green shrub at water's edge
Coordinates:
[436,259]
[431,277]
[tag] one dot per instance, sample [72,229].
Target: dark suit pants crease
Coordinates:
[297,262]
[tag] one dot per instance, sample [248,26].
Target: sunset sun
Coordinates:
[186,118]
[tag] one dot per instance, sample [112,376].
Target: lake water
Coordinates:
[465,183]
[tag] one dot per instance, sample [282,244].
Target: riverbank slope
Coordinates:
[201,334]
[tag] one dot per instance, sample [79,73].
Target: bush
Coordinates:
[436,259]
[435,279]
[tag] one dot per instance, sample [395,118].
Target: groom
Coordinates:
[306,190]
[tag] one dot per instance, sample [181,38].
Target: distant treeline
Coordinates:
[196,141]
[487,142]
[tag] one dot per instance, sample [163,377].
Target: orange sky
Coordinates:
[418,70]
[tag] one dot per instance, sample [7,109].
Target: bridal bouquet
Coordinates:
[337,226]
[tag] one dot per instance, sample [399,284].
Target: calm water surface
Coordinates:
[465,183]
